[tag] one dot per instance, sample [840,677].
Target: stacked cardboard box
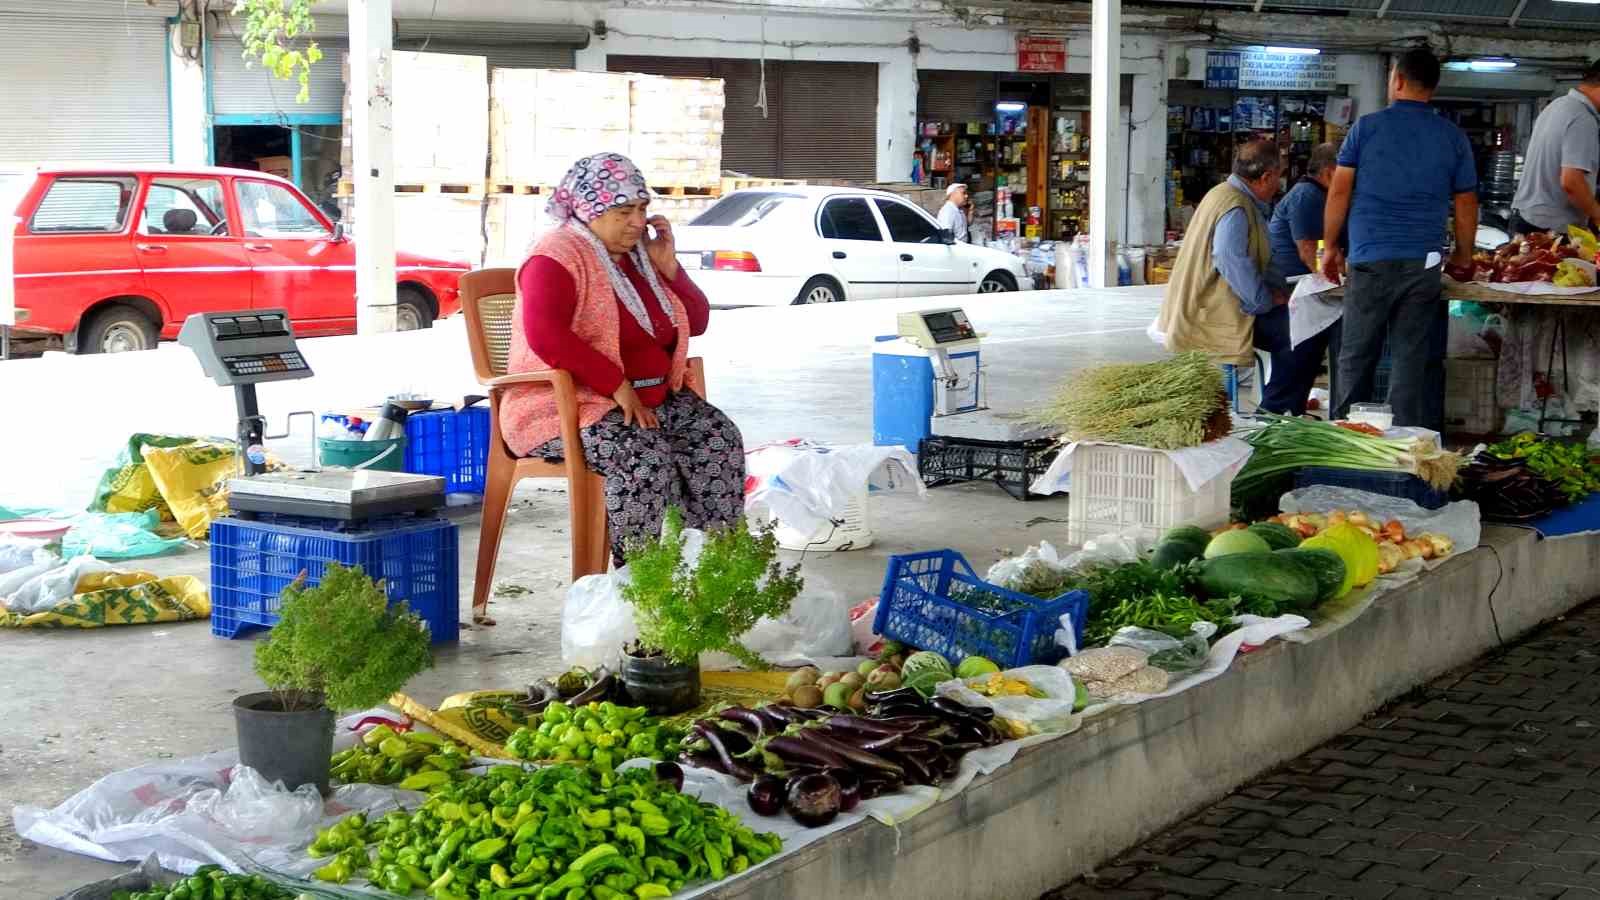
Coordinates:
[541,120]
[675,130]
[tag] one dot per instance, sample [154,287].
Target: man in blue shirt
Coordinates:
[1295,228]
[1400,171]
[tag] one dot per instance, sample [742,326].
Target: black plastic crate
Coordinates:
[1390,484]
[1013,465]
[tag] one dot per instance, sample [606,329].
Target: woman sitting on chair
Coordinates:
[601,299]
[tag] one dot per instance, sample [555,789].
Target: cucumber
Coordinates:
[1192,533]
[1278,537]
[1325,565]
[1269,576]
[1174,552]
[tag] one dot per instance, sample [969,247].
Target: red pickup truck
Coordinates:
[114,258]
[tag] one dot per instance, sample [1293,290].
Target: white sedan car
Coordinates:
[783,245]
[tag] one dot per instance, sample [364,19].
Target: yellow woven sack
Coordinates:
[120,598]
[193,479]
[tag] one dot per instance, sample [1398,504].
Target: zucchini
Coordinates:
[1267,576]
[1325,565]
[1278,537]
[1191,533]
[1174,552]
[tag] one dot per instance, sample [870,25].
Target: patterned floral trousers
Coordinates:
[694,461]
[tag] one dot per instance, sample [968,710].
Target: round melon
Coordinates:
[1277,536]
[1236,541]
[1192,533]
[973,666]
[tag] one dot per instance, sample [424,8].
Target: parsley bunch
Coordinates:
[737,581]
[341,640]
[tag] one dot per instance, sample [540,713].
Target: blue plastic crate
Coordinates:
[1390,484]
[927,602]
[451,444]
[253,561]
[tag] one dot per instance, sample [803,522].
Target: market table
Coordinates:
[1557,303]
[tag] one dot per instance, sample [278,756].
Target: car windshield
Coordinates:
[744,208]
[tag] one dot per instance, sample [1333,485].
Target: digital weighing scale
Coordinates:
[243,349]
[960,408]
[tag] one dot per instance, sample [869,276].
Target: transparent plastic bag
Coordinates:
[251,807]
[1052,712]
[596,622]
[1166,652]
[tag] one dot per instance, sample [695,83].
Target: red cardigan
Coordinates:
[549,300]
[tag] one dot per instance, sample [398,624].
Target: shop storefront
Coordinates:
[786,119]
[1019,141]
[93,86]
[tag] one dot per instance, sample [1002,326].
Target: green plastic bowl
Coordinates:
[350,454]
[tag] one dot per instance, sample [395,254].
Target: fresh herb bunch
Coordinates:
[1173,614]
[737,581]
[1166,405]
[1568,465]
[342,641]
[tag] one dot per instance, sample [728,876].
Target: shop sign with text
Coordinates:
[1041,54]
[1257,70]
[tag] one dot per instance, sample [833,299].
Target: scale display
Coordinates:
[239,348]
[932,328]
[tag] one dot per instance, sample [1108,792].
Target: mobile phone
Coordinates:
[649,232]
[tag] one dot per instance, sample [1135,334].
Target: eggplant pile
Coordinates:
[1506,490]
[817,763]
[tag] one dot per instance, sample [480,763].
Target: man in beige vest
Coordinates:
[1223,277]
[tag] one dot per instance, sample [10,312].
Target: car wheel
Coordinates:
[820,289]
[411,311]
[997,283]
[118,329]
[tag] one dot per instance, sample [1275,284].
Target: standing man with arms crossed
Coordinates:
[1400,170]
[1557,187]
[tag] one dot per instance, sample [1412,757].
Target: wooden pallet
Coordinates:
[685,190]
[513,188]
[443,189]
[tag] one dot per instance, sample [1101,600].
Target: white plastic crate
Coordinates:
[1122,489]
[1470,403]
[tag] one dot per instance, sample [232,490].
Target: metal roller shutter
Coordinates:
[946,96]
[830,120]
[750,143]
[84,88]
[238,90]
[503,56]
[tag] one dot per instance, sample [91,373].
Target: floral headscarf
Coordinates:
[593,186]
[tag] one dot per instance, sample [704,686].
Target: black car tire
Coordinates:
[410,302]
[814,290]
[118,328]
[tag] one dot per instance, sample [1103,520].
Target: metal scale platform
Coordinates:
[970,441]
[243,349]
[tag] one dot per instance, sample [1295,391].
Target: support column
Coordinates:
[186,98]
[897,116]
[372,145]
[1147,164]
[1105,99]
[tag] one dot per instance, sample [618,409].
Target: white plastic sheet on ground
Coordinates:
[1199,465]
[807,486]
[596,621]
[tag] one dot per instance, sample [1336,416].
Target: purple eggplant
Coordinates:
[814,800]
[896,695]
[766,795]
[778,715]
[797,752]
[948,707]
[912,723]
[872,727]
[719,741]
[670,773]
[916,769]
[849,788]
[735,740]
[896,710]
[746,717]
[856,758]
[701,759]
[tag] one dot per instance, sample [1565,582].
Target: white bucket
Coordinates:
[852,532]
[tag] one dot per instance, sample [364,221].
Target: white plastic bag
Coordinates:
[596,622]
[807,486]
[1006,572]
[19,552]
[253,808]
[1459,521]
[50,587]
[1165,651]
[1053,712]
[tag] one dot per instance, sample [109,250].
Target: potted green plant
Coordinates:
[683,612]
[337,646]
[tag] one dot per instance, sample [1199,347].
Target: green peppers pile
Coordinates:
[414,761]
[211,883]
[560,832]
[1566,464]
[602,734]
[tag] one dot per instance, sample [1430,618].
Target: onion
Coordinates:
[814,800]
[670,773]
[766,795]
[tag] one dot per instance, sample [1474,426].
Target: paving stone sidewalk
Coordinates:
[1483,783]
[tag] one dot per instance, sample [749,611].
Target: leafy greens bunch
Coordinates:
[683,612]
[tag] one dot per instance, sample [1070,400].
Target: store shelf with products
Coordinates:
[1068,173]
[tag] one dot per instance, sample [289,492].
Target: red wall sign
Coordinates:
[1041,54]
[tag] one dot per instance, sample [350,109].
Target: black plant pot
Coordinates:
[290,746]
[660,684]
